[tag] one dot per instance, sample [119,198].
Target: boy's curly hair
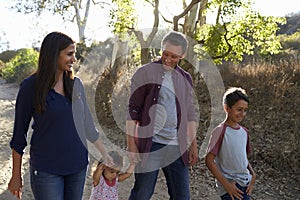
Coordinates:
[234,94]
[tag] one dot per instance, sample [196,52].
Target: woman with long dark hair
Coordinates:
[58,151]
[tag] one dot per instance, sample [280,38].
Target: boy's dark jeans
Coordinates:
[245,196]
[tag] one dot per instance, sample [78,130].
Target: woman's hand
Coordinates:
[107,160]
[15,186]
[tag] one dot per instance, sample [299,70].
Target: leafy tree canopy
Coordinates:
[238,29]
[20,66]
[247,34]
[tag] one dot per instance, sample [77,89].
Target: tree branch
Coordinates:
[186,10]
[155,25]
[87,9]
[228,44]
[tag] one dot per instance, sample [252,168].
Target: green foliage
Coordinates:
[238,30]
[248,34]
[22,65]
[5,56]
[227,7]
[58,6]
[123,17]
[292,24]
[291,42]
[2,66]
[290,50]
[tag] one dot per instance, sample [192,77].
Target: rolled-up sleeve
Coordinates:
[137,96]
[92,132]
[23,114]
[81,113]
[191,114]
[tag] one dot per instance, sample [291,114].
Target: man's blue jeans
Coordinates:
[176,174]
[47,186]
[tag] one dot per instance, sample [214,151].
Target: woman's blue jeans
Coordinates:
[47,186]
[176,174]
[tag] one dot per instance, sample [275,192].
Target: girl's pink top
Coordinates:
[105,190]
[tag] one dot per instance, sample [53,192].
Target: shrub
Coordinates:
[20,66]
[5,56]
[2,66]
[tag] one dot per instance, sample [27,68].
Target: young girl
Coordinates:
[106,178]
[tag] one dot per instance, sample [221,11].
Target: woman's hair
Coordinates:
[51,46]
[177,39]
[233,95]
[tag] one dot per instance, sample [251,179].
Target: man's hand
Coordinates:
[133,154]
[193,154]
[132,150]
[193,150]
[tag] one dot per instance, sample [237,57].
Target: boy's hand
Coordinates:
[250,186]
[233,191]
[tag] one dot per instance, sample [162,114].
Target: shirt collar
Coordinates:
[162,68]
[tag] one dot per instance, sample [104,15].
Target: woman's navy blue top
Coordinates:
[58,144]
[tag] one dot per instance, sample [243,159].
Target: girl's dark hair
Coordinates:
[51,46]
[233,95]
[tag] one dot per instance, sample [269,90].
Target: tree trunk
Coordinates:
[202,16]
[145,57]
[81,23]
[118,58]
